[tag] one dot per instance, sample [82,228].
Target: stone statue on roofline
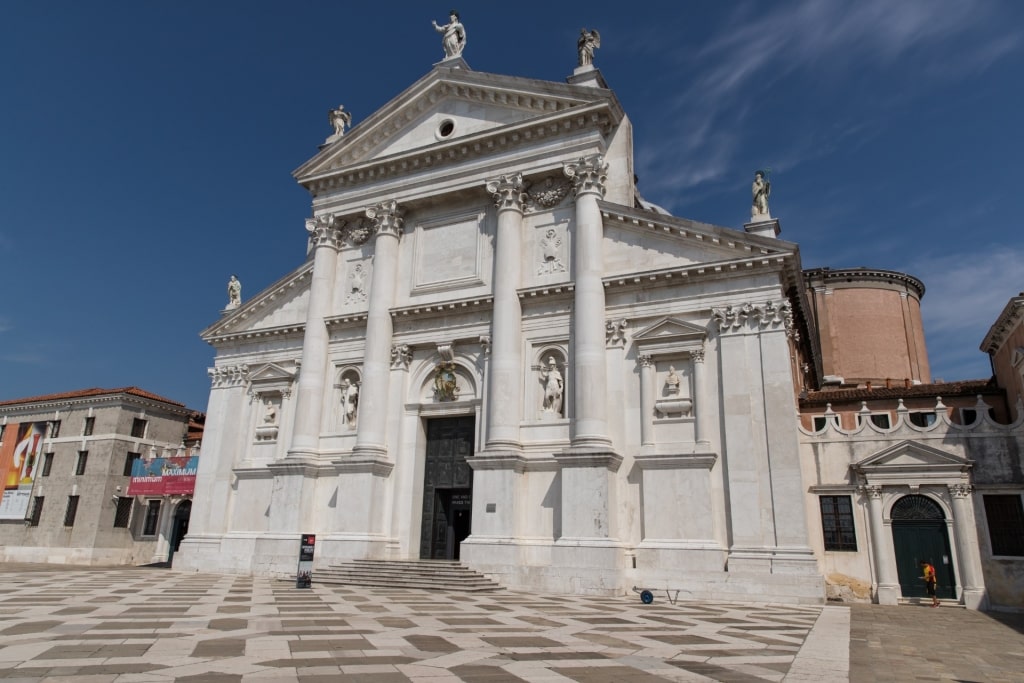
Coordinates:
[761,190]
[454,35]
[234,293]
[585,46]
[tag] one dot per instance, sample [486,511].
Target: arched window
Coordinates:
[916,508]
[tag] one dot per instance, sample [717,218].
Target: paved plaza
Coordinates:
[141,625]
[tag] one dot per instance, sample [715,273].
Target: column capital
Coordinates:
[507,191]
[386,217]
[872,491]
[324,231]
[645,361]
[697,355]
[961,490]
[588,174]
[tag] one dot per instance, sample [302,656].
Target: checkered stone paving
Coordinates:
[146,625]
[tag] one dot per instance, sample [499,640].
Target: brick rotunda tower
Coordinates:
[869,325]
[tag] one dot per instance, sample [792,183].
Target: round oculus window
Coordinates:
[446,128]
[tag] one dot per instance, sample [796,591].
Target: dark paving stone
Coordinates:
[228,624]
[610,674]
[290,623]
[29,627]
[233,609]
[431,644]
[330,645]
[684,639]
[544,656]
[220,647]
[210,678]
[476,673]
[75,610]
[130,624]
[394,677]
[468,621]
[521,641]
[716,673]
[395,622]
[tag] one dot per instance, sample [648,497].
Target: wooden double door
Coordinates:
[447,487]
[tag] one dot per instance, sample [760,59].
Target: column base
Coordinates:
[888,594]
[975,598]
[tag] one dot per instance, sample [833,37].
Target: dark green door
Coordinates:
[919,533]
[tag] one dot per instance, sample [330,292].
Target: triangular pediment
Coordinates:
[912,457]
[280,308]
[271,372]
[639,241]
[670,329]
[473,103]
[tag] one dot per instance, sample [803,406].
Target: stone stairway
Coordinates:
[424,574]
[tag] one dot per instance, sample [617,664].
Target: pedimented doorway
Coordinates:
[447,487]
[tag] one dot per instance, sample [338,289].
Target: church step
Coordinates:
[424,574]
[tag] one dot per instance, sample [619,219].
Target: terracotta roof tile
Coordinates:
[965,388]
[95,391]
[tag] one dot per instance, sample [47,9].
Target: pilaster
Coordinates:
[888,591]
[971,576]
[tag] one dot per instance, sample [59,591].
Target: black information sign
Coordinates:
[304,575]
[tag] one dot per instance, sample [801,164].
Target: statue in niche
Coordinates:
[454,38]
[551,249]
[350,401]
[357,284]
[340,119]
[446,387]
[585,46]
[761,190]
[672,382]
[269,413]
[234,292]
[553,387]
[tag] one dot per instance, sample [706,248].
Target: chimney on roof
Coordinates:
[867,385]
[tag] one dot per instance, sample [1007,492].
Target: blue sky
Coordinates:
[147,148]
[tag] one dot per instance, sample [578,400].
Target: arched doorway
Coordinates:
[179,527]
[919,533]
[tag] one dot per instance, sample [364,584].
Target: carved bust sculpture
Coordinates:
[454,39]
[672,382]
[234,292]
[269,413]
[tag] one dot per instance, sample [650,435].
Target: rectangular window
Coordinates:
[139,428]
[1005,515]
[2,429]
[37,511]
[69,514]
[54,429]
[820,421]
[837,523]
[152,517]
[923,419]
[90,422]
[83,457]
[47,463]
[129,462]
[124,512]
[969,416]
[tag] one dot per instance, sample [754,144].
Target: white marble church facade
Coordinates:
[497,351]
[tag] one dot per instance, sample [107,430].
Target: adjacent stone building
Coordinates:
[66,461]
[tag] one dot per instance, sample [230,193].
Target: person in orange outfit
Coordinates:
[929,581]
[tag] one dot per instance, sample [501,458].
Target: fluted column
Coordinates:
[967,547]
[701,400]
[326,237]
[371,438]
[504,400]
[646,400]
[590,423]
[885,563]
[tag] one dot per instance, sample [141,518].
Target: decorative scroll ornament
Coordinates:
[961,490]
[401,356]
[760,316]
[549,192]
[615,331]
[230,375]
[588,174]
[386,217]
[358,230]
[446,386]
[324,230]
[507,191]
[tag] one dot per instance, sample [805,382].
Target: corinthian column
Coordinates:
[326,237]
[590,426]
[504,400]
[373,395]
